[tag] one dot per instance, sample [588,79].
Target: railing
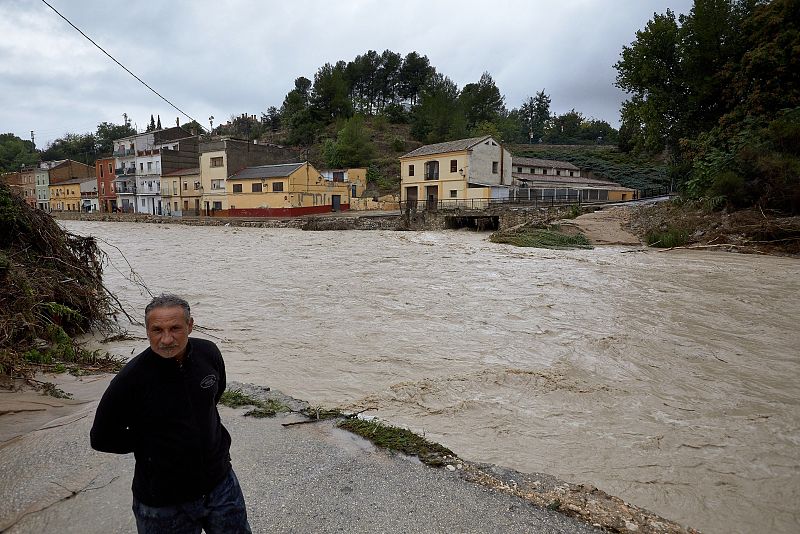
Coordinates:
[126,190]
[119,171]
[130,152]
[654,192]
[130,170]
[119,153]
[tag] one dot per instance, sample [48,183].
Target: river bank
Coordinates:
[308,478]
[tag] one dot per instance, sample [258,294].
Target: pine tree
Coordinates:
[158,124]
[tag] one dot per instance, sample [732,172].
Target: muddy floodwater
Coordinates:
[670,379]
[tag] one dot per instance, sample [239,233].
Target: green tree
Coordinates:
[107,132]
[16,153]
[482,101]
[565,128]
[352,147]
[650,70]
[414,76]
[77,147]
[438,117]
[330,95]
[535,115]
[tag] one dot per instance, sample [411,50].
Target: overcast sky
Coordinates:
[226,57]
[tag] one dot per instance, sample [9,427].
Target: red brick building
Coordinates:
[106,194]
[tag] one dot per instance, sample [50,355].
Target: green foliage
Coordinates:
[719,88]
[481,102]
[398,145]
[352,147]
[107,132]
[671,237]
[267,408]
[551,237]
[399,439]
[234,398]
[16,153]
[627,169]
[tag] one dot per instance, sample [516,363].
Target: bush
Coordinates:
[672,237]
[398,145]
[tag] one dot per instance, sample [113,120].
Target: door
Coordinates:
[411,198]
[432,195]
[336,202]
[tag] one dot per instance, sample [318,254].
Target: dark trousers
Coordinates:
[220,512]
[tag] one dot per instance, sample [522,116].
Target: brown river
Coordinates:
[670,379]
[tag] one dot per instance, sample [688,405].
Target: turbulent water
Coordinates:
[670,379]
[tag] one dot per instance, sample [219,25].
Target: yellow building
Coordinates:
[181,192]
[285,190]
[466,172]
[66,195]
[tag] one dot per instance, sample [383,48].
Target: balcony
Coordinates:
[130,171]
[124,189]
[130,152]
[119,153]
[119,171]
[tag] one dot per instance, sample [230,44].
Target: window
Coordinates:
[453,193]
[338,176]
[110,168]
[572,173]
[174,186]
[141,166]
[101,174]
[186,185]
[197,186]
[102,188]
[558,173]
[495,165]
[531,170]
[217,184]
[218,205]
[216,162]
[149,165]
[431,170]
[277,187]
[411,170]
[255,187]
[176,205]
[453,165]
[185,205]
[237,188]
[519,169]
[142,202]
[544,171]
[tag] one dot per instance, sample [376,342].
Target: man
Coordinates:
[162,406]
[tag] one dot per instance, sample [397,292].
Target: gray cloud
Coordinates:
[227,58]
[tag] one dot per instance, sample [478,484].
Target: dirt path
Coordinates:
[605,227]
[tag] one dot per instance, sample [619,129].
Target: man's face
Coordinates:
[168,331]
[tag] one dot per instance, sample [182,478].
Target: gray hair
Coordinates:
[168,300]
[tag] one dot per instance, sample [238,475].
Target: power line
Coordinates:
[121,65]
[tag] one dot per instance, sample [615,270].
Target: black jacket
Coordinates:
[167,416]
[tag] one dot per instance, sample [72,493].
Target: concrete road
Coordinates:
[305,478]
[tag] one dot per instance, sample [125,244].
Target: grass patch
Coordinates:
[267,408]
[551,237]
[234,398]
[320,413]
[671,237]
[399,439]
